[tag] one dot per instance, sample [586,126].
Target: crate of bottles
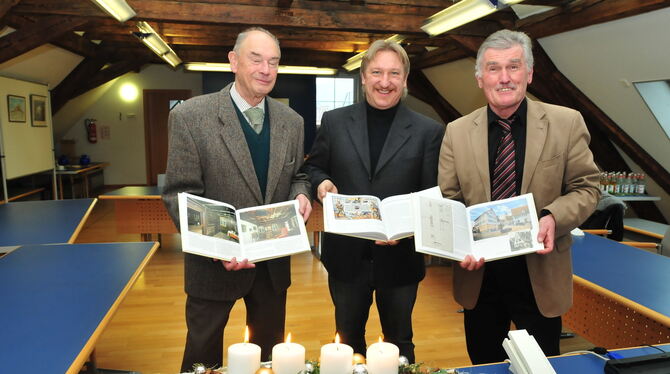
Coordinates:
[622,183]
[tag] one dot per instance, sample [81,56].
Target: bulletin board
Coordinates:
[26,133]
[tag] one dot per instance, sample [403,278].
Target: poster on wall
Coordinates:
[38,110]
[16,108]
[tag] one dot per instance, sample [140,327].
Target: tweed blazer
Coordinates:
[208,156]
[558,170]
[407,163]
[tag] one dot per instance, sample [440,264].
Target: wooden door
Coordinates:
[157,106]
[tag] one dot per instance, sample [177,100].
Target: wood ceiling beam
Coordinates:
[32,36]
[284,3]
[581,13]
[333,60]
[303,14]
[69,41]
[438,56]
[62,93]
[5,6]
[420,87]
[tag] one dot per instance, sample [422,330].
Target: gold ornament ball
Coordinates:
[264,370]
[358,359]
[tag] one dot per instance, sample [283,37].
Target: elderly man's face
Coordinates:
[384,80]
[255,66]
[505,77]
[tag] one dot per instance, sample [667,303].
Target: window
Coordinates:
[656,95]
[332,93]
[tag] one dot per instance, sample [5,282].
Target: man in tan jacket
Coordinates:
[514,146]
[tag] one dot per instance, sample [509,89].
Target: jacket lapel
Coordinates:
[358,133]
[480,149]
[398,134]
[278,144]
[233,137]
[536,134]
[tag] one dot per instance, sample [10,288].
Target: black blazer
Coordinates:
[407,163]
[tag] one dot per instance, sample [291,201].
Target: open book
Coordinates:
[214,229]
[368,217]
[492,230]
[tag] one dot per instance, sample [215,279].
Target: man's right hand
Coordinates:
[469,263]
[233,265]
[325,187]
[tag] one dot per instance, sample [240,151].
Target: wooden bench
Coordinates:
[24,194]
[645,227]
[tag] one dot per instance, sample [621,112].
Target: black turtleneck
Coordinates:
[379,124]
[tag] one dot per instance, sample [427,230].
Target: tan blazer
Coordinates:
[558,170]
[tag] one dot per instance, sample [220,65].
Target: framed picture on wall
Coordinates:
[38,110]
[16,108]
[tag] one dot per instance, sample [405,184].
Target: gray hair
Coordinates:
[243,35]
[385,45]
[505,39]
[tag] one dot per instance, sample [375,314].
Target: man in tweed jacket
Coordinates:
[214,152]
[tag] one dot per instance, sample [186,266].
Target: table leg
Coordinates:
[72,186]
[85,182]
[60,186]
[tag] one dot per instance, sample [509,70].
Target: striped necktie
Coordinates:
[504,173]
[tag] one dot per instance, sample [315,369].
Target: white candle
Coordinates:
[244,358]
[382,358]
[288,358]
[336,358]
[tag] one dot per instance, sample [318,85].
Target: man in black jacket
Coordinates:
[382,148]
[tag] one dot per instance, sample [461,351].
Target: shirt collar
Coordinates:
[519,115]
[242,104]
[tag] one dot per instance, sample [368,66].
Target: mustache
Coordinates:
[510,86]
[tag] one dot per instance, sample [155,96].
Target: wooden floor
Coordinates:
[148,331]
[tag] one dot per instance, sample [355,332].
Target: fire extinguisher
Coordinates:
[91,131]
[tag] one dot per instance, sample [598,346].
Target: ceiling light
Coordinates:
[118,9]
[463,12]
[354,62]
[151,39]
[283,69]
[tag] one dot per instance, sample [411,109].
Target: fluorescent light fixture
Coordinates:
[354,62]
[118,9]
[463,12]
[151,39]
[283,69]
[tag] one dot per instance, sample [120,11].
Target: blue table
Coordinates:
[573,364]
[621,294]
[42,222]
[57,299]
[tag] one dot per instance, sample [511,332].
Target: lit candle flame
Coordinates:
[337,338]
[246,334]
[380,339]
[288,338]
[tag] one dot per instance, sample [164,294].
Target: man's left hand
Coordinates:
[386,242]
[304,206]
[547,234]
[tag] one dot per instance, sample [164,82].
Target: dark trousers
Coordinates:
[507,296]
[352,307]
[206,319]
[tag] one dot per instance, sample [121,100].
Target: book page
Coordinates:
[208,227]
[441,227]
[504,228]
[397,213]
[271,231]
[353,215]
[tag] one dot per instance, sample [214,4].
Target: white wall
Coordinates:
[26,149]
[602,59]
[125,148]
